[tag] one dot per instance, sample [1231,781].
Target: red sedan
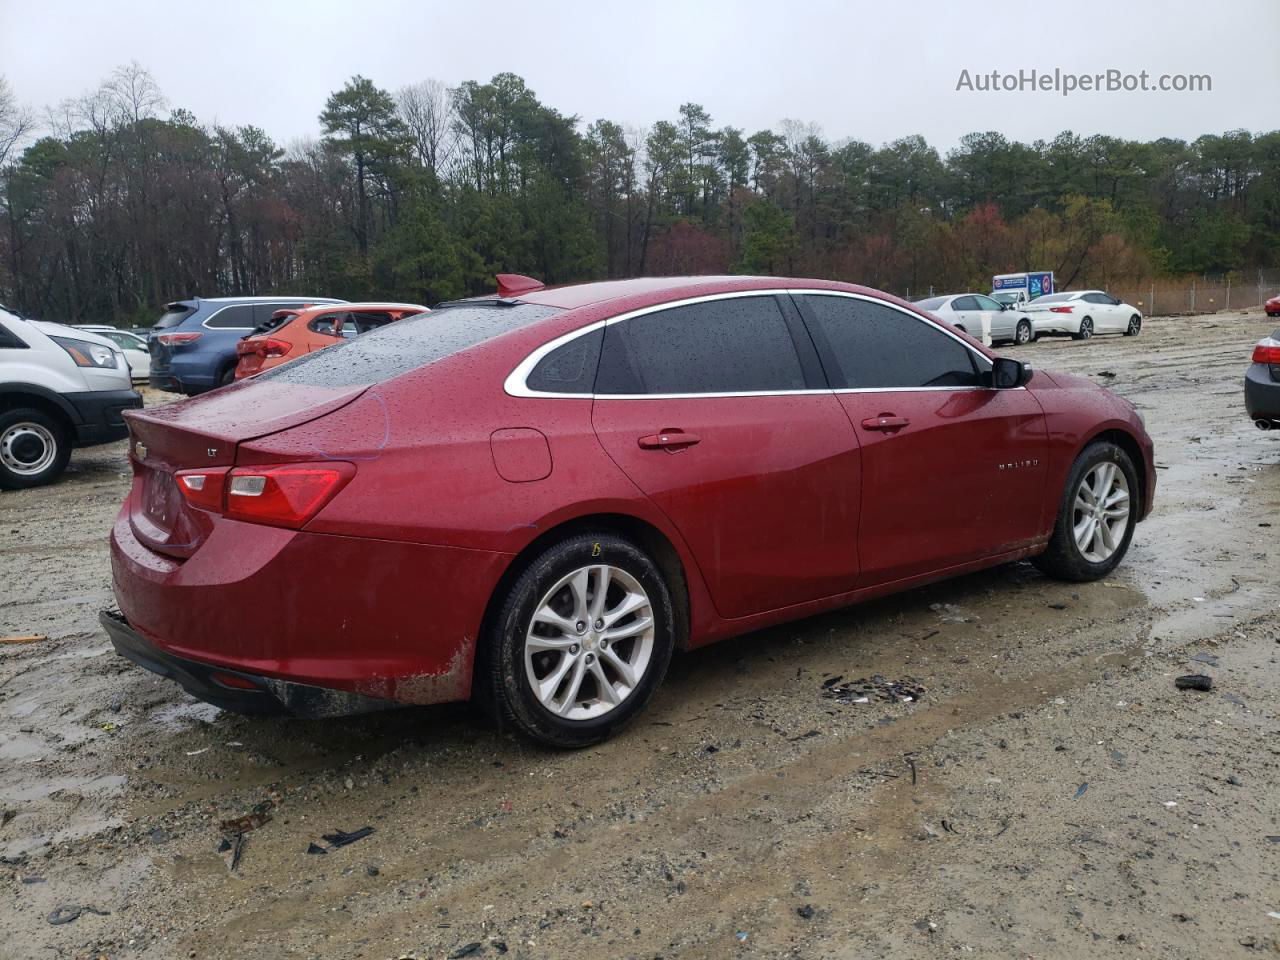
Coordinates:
[1272,307]
[534,499]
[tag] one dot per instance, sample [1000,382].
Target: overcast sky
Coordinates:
[870,70]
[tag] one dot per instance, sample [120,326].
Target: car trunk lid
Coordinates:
[204,432]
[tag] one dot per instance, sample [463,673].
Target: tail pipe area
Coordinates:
[1263,424]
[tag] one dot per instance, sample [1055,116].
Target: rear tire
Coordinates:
[1023,333]
[1135,326]
[35,448]
[566,668]
[1089,540]
[1086,329]
[228,376]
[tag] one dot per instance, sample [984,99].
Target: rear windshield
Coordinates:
[174,314]
[1056,297]
[932,304]
[400,347]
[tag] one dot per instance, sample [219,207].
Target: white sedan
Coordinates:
[971,311]
[134,347]
[1082,313]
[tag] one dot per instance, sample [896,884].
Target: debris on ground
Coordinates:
[24,638]
[1208,659]
[315,848]
[72,911]
[1081,790]
[340,838]
[863,690]
[806,911]
[1194,681]
[250,821]
[950,613]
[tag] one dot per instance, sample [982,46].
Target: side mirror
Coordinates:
[1007,373]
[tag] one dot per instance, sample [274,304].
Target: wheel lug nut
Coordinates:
[599,624]
[573,648]
[591,658]
[603,643]
[581,626]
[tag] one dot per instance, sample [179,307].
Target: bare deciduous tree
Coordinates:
[16,121]
[426,110]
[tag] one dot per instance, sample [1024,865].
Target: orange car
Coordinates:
[290,334]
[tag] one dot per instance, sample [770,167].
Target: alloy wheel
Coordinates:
[1086,328]
[1023,333]
[1100,512]
[28,449]
[1135,326]
[589,642]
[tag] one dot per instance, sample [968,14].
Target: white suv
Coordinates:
[59,388]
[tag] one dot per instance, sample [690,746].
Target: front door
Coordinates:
[713,414]
[952,469]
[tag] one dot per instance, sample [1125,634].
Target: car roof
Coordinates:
[50,329]
[280,299]
[643,290]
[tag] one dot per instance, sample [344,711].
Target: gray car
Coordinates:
[968,310]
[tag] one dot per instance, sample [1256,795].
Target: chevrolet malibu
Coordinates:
[532,500]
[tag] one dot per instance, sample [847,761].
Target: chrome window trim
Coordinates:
[515,385]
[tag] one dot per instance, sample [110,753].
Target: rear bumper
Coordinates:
[1261,393]
[101,414]
[192,372]
[267,697]
[382,619]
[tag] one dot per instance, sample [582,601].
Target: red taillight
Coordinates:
[263,347]
[1268,351]
[178,339]
[1060,309]
[284,496]
[203,488]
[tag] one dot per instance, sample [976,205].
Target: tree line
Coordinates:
[113,203]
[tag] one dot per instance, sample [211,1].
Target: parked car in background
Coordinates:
[534,499]
[290,334]
[60,387]
[1262,384]
[1082,313]
[1272,307]
[193,345]
[134,347]
[969,311]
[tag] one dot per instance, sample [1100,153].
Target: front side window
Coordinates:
[10,340]
[732,345]
[986,303]
[873,345]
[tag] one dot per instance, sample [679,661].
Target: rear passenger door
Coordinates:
[718,412]
[1002,320]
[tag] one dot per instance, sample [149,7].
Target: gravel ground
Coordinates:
[1050,794]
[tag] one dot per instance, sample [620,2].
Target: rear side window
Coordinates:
[10,340]
[413,342]
[238,317]
[569,368]
[735,345]
[1055,298]
[174,314]
[872,345]
[932,304]
[964,303]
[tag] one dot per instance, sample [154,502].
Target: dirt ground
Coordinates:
[1051,794]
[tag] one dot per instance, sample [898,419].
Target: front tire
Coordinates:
[1096,516]
[34,448]
[1086,329]
[1135,326]
[580,643]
